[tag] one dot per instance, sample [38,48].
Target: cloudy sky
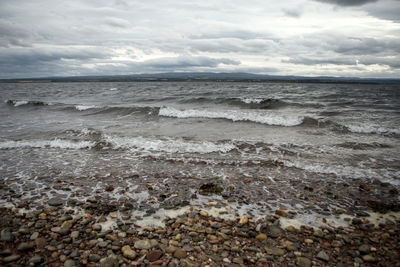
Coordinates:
[44,38]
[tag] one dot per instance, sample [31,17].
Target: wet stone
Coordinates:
[11,258]
[154,255]
[6,235]
[69,263]
[180,253]
[94,257]
[303,262]
[25,246]
[146,244]
[323,256]
[364,249]
[35,259]
[55,201]
[34,236]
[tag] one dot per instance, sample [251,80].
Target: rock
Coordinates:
[109,188]
[364,249]
[69,263]
[55,201]
[369,258]
[308,241]
[6,252]
[40,242]
[154,255]
[281,213]
[170,249]
[25,246]
[35,259]
[303,262]
[323,256]
[180,253]
[356,221]
[261,237]
[244,220]
[113,215]
[189,263]
[6,235]
[146,244]
[203,213]
[290,228]
[275,231]
[210,188]
[110,261]
[74,234]
[275,251]
[34,236]
[128,252]
[238,261]
[94,257]
[11,258]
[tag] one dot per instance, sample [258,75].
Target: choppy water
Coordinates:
[272,133]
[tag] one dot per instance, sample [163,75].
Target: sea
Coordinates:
[305,146]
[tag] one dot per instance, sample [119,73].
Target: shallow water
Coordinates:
[270,141]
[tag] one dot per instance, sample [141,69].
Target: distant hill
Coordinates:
[206,76]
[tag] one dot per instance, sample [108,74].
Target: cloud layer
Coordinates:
[295,37]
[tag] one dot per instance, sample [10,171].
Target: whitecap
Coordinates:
[168,145]
[262,117]
[56,143]
[83,107]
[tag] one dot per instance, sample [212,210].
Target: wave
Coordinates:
[17,103]
[84,107]
[56,143]
[234,115]
[249,103]
[168,145]
[372,129]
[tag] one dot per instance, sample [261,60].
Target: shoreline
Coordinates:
[61,236]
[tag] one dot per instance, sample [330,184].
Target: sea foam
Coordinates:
[168,145]
[262,117]
[56,143]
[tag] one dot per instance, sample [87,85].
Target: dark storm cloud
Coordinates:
[347,2]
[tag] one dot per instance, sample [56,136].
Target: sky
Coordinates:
[347,38]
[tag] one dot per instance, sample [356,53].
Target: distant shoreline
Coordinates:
[205,77]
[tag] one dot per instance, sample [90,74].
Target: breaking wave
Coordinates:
[235,115]
[56,143]
[372,129]
[168,145]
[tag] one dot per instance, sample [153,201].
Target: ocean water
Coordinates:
[270,140]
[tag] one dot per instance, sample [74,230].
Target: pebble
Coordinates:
[11,258]
[369,258]
[146,243]
[203,213]
[303,262]
[128,252]
[275,251]
[94,257]
[180,253]
[154,255]
[261,237]
[69,263]
[34,236]
[244,220]
[55,201]
[25,246]
[323,256]
[35,259]
[6,235]
[364,249]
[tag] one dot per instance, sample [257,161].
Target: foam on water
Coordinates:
[168,145]
[263,117]
[56,143]
[369,129]
[84,107]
